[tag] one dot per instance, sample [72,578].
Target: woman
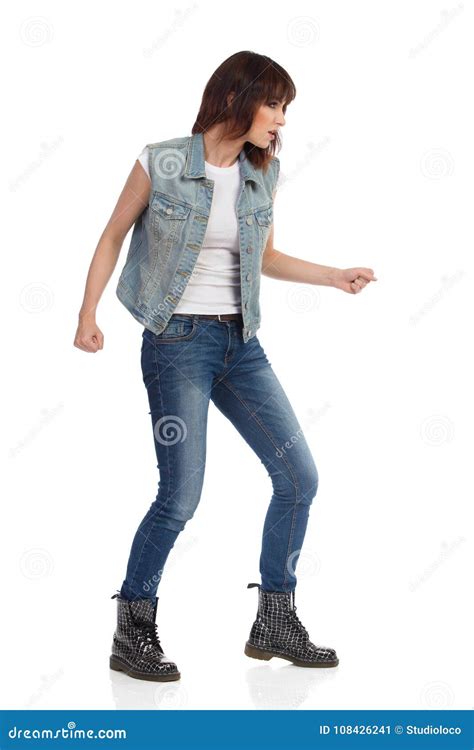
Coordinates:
[202,206]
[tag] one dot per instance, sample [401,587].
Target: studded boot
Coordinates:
[277,631]
[136,648]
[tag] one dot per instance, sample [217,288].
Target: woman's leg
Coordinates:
[248,392]
[178,385]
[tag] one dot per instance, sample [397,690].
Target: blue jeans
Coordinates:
[192,361]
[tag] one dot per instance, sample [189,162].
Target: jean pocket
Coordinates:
[179,328]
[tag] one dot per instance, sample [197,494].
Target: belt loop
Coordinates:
[220,321]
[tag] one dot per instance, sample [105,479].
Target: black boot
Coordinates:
[136,648]
[277,631]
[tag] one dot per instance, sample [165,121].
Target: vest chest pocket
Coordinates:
[264,216]
[168,220]
[263,223]
[168,208]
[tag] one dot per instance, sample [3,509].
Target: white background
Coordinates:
[377,152]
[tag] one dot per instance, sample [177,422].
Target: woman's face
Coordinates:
[268,117]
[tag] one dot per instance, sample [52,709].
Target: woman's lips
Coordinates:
[272,135]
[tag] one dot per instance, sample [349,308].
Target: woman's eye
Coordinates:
[275,104]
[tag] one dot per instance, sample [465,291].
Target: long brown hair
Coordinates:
[254,80]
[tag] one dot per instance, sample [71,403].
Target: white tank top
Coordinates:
[214,286]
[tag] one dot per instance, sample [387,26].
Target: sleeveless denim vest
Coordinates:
[168,235]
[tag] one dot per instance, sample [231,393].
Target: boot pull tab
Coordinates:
[251,585]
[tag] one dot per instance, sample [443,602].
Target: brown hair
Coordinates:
[254,79]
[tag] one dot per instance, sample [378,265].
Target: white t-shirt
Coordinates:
[214,286]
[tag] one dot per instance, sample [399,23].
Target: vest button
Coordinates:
[249,249]
[246,305]
[249,219]
[169,210]
[249,276]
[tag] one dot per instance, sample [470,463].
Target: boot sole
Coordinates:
[259,653]
[122,666]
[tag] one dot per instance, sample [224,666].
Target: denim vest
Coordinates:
[168,235]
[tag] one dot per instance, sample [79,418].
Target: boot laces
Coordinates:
[148,635]
[297,620]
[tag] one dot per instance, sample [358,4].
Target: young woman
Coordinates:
[202,206]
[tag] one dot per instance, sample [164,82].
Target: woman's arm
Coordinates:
[277,265]
[132,201]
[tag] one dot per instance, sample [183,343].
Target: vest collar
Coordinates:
[195,166]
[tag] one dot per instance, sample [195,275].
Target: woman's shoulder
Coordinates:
[170,142]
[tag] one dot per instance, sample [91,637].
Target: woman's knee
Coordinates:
[308,481]
[175,510]
[298,482]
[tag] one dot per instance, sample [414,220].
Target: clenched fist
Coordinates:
[88,337]
[353,280]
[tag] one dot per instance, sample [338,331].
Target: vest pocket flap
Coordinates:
[264,216]
[168,208]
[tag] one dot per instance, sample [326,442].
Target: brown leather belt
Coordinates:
[225,316]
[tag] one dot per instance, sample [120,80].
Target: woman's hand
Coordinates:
[89,337]
[352,280]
